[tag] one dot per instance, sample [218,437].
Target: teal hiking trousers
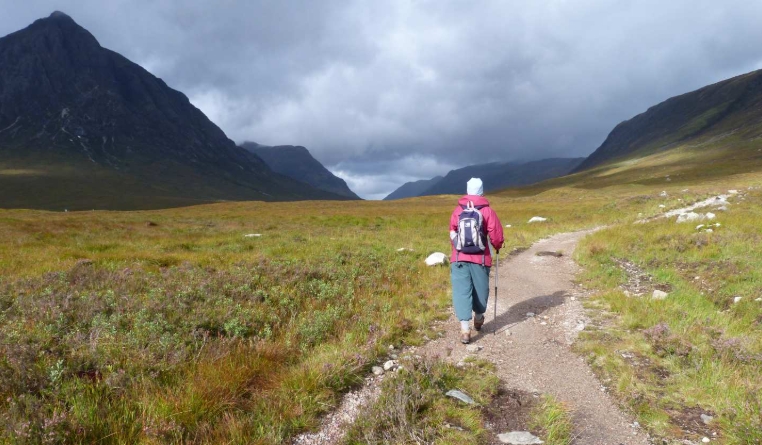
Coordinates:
[470,288]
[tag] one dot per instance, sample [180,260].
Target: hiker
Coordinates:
[471,223]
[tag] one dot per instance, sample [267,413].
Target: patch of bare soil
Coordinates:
[692,425]
[510,410]
[639,282]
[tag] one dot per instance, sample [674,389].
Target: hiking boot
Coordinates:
[465,337]
[478,322]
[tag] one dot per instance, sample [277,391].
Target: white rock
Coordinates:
[758,299]
[699,227]
[519,438]
[733,192]
[663,194]
[530,314]
[389,365]
[535,219]
[690,216]
[707,419]
[661,206]
[737,299]
[706,440]
[473,348]
[252,235]
[463,397]
[377,370]
[709,231]
[508,226]
[436,258]
[659,295]
[710,216]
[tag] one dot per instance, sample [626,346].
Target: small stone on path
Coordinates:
[377,370]
[530,314]
[519,438]
[706,440]
[659,295]
[473,348]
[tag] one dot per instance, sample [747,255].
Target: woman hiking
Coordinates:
[471,223]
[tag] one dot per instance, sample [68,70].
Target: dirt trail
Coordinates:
[535,356]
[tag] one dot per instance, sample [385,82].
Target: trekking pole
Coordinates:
[497,274]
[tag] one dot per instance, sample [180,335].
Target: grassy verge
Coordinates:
[413,407]
[553,419]
[697,352]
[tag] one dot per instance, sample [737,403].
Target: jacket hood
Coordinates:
[476,199]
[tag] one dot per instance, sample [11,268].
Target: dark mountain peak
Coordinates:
[67,103]
[59,15]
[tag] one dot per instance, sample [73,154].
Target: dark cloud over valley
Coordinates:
[387,92]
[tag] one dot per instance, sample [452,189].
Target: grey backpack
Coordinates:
[471,237]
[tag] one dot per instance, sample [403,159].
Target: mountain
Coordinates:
[497,175]
[411,189]
[82,127]
[296,162]
[731,107]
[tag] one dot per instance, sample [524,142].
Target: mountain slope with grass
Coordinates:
[296,162]
[82,127]
[728,109]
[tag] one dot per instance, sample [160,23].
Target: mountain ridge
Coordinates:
[499,175]
[68,105]
[296,161]
[731,105]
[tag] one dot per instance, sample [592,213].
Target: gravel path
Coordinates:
[532,352]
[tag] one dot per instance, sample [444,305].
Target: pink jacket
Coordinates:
[491,222]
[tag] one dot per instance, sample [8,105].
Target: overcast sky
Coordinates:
[384,92]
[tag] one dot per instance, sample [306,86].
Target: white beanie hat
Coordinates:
[474,186]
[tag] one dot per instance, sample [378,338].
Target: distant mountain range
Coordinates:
[495,176]
[732,107]
[82,127]
[296,162]
[412,189]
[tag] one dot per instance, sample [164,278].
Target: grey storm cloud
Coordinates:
[392,91]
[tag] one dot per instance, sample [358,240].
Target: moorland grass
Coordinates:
[173,326]
[697,350]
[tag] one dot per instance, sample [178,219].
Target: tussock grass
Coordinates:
[413,408]
[553,419]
